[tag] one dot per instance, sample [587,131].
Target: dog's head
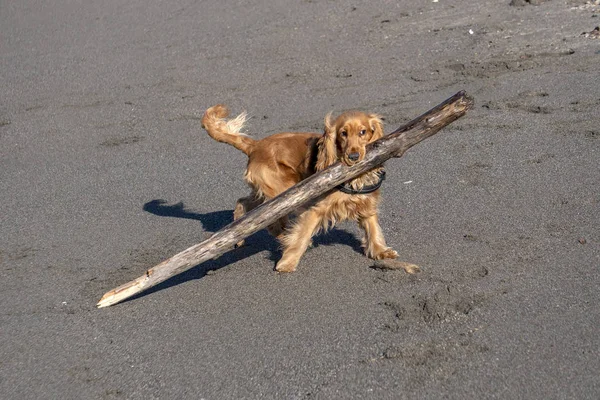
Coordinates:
[346,137]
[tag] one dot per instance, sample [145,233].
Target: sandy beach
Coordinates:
[105,172]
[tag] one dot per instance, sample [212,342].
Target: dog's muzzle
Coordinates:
[353,156]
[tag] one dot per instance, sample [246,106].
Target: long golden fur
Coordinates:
[278,162]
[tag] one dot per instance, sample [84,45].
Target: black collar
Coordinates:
[346,188]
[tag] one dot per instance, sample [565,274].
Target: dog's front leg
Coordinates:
[375,246]
[296,241]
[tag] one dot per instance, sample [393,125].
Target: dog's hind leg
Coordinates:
[278,227]
[244,205]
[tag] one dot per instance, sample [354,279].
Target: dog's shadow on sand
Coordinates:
[256,243]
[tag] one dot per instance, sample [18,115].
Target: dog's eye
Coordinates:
[343,133]
[363,132]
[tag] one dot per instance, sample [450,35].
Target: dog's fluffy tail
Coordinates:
[227,131]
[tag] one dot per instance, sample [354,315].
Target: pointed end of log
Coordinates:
[122,292]
[103,302]
[107,300]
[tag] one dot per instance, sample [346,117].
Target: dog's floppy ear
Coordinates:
[327,148]
[376,125]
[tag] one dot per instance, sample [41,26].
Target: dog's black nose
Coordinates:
[353,156]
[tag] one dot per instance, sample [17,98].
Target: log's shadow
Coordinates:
[256,243]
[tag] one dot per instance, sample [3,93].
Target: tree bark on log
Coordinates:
[392,145]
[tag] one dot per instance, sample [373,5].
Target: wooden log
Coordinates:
[392,145]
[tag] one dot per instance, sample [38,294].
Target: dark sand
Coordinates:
[105,171]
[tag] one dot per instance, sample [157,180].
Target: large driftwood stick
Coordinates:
[392,145]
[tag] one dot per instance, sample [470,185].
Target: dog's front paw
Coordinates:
[385,253]
[285,266]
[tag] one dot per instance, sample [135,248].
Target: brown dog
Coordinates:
[278,162]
